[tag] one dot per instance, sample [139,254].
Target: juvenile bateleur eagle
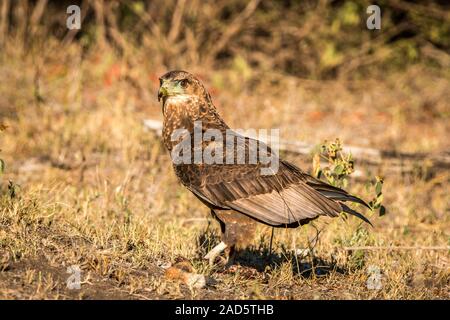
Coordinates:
[239,194]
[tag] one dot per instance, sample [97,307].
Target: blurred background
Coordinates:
[368,84]
[82,175]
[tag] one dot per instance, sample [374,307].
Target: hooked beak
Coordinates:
[162,92]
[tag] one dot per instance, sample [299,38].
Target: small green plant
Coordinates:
[376,202]
[339,167]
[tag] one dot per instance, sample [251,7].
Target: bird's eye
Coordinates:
[184,83]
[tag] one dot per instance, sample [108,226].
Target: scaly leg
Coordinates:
[230,254]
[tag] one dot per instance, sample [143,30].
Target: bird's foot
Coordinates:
[226,262]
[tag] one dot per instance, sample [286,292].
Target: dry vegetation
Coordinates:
[85,184]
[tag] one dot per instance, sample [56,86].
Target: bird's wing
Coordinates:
[283,198]
[278,199]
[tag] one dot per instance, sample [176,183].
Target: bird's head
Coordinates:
[179,84]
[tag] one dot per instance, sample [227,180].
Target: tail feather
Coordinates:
[343,197]
[337,194]
[332,192]
[348,210]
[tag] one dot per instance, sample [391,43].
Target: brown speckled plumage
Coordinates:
[238,194]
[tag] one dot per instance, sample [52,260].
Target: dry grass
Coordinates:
[94,189]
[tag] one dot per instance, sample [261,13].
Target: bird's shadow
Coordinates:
[260,259]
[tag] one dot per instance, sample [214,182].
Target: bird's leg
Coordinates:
[271,240]
[212,255]
[230,254]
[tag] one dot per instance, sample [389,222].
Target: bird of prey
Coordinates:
[239,194]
